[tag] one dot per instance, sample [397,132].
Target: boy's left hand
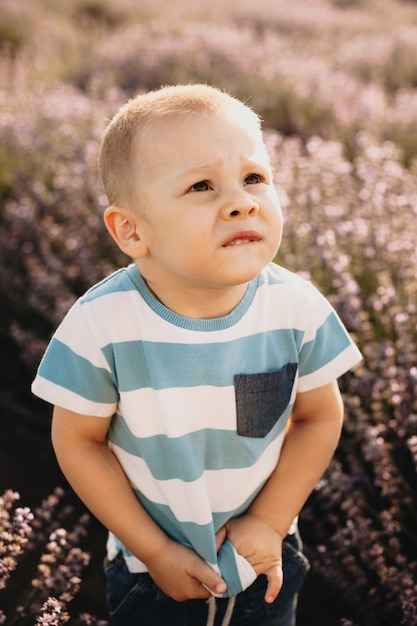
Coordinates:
[260,544]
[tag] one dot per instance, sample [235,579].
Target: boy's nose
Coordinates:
[242,207]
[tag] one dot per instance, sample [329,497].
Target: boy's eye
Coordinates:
[202,185]
[253,179]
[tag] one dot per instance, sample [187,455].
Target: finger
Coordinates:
[216,586]
[198,592]
[210,579]
[275,580]
[220,537]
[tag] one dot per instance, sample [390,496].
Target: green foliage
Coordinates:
[97,13]
[14,31]
[348,4]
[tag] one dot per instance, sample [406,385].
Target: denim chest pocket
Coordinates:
[261,399]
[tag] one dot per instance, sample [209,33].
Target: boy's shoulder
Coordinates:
[274,274]
[288,293]
[118,281]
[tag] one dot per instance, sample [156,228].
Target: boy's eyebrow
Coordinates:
[196,169]
[200,168]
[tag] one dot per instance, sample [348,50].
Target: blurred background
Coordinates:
[336,84]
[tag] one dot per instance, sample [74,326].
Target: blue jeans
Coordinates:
[135,600]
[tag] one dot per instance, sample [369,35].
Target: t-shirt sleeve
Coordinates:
[74,372]
[327,350]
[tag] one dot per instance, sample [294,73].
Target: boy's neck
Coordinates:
[199,303]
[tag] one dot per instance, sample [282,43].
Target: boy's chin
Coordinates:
[242,278]
[248,273]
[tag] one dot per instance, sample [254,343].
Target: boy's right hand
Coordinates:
[183,575]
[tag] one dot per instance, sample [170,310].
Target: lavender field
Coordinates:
[336,84]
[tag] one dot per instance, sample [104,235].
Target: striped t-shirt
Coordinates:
[199,406]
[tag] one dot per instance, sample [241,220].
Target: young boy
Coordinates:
[195,393]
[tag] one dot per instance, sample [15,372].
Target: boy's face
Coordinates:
[208,211]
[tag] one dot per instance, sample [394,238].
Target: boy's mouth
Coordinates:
[241,238]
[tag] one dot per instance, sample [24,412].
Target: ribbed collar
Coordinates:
[204,325]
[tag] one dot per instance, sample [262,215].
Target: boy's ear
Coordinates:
[122,226]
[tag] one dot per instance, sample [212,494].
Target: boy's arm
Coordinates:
[80,444]
[311,439]
[310,442]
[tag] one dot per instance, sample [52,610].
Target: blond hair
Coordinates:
[119,156]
